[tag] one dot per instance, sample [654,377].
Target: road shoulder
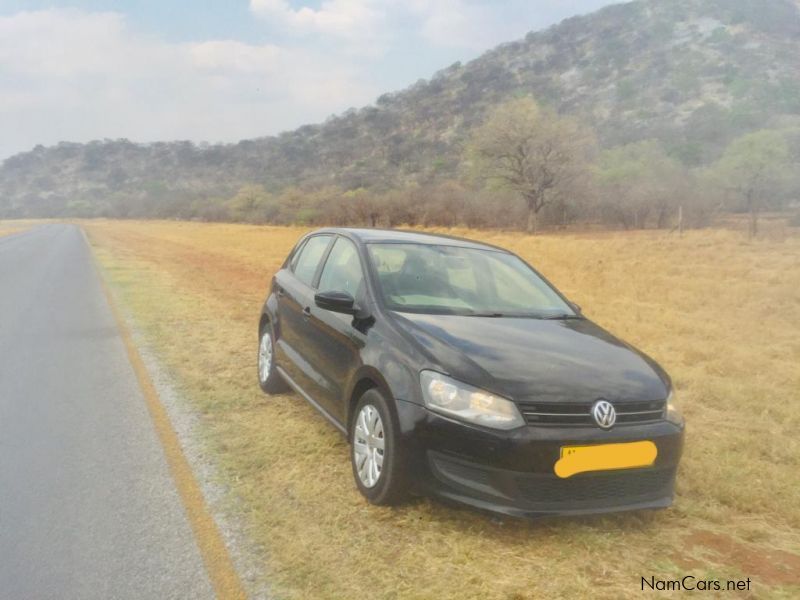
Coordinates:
[231,560]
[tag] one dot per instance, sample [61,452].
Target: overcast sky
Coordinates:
[225,70]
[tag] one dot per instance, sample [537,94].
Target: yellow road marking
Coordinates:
[218,563]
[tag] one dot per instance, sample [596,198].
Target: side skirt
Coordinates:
[311,401]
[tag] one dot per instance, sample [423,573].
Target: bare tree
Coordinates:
[531,151]
[365,206]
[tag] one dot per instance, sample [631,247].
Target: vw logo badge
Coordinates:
[604,414]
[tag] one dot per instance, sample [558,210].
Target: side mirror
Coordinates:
[340,302]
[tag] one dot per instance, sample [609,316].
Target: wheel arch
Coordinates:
[365,379]
[262,323]
[269,314]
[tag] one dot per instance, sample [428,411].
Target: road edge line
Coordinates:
[216,558]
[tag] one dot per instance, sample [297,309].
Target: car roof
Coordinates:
[399,236]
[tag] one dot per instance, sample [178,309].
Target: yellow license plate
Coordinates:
[605,457]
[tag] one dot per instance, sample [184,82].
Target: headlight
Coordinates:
[671,412]
[450,397]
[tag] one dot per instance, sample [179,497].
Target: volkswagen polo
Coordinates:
[455,369]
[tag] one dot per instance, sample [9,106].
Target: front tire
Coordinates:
[377,453]
[268,377]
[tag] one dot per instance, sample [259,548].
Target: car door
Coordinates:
[295,292]
[339,342]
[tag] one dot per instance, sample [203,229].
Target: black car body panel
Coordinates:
[550,360]
[542,365]
[512,472]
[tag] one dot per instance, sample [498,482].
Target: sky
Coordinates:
[221,71]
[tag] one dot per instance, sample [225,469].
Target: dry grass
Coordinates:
[721,314]
[9,227]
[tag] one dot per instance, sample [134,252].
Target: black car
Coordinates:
[455,369]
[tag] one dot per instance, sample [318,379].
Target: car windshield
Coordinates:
[443,279]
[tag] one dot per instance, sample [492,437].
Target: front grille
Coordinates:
[580,413]
[634,486]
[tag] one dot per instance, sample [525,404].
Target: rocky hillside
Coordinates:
[692,74]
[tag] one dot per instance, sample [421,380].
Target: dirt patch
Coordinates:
[766,566]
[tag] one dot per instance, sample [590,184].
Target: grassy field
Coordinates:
[9,227]
[721,314]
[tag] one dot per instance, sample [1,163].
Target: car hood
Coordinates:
[527,359]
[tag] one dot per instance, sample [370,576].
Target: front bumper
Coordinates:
[512,472]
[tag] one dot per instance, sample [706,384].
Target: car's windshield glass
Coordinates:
[441,279]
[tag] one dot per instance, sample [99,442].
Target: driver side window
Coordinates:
[342,271]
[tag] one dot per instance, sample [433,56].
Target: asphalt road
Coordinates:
[88,508]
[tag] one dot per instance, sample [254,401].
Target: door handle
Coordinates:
[307,312]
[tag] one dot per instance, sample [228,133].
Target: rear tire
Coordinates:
[268,377]
[377,452]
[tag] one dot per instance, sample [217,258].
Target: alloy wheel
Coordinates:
[264,356]
[369,445]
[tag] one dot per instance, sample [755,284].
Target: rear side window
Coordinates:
[307,262]
[296,256]
[342,271]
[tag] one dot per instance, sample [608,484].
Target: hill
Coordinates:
[692,74]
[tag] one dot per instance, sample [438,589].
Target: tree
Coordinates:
[252,203]
[365,206]
[640,180]
[532,151]
[755,167]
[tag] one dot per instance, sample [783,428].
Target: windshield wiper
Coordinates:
[506,315]
[498,315]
